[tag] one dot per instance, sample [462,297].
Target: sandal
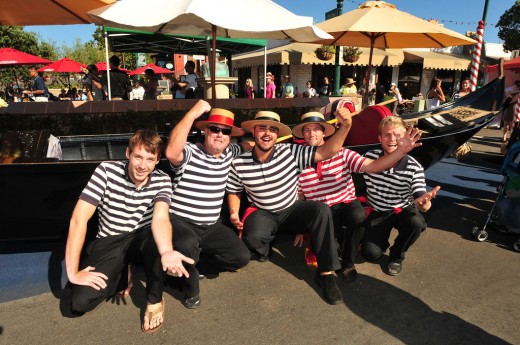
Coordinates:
[150,315]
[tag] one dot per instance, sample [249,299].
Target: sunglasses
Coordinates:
[215,129]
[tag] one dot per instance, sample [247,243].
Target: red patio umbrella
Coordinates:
[156,69]
[13,57]
[62,66]
[102,67]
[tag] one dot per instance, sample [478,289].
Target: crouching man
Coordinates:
[132,199]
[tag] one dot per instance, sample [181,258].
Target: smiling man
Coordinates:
[132,199]
[201,172]
[395,197]
[269,175]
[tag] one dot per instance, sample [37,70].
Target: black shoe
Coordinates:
[331,292]
[191,302]
[259,257]
[394,268]
[349,275]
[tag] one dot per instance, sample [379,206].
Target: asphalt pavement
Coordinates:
[453,289]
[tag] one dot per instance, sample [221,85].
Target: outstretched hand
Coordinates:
[172,263]
[427,197]
[409,141]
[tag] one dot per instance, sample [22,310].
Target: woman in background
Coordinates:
[250,90]
[435,95]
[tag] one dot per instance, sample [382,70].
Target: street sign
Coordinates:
[331,14]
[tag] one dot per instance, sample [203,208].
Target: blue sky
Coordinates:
[457,15]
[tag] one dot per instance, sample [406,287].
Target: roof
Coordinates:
[434,60]
[303,53]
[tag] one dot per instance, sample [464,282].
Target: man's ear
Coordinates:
[127,153]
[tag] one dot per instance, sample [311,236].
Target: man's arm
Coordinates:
[77,232]
[404,145]
[335,142]
[179,134]
[162,234]
[234,207]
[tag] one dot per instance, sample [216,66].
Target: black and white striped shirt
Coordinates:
[121,206]
[200,183]
[272,185]
[397,187]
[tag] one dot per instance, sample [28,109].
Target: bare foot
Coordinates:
[153,317]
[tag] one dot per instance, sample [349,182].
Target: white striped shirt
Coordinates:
[272,185]
[121,206]
[331,181]
[200,182]
[397,187]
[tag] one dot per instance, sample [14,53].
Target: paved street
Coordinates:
[453,289]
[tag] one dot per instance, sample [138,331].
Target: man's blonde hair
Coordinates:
[391,121]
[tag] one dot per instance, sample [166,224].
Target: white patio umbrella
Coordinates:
[224,18]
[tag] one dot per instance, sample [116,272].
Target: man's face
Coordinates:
[216,141]
[389,136]
[33,73]
[313,134]
[140,164]
[265,137]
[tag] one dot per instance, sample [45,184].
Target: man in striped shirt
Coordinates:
[395,197]
[269,175]
[201,172]
[331,182]
[132,199]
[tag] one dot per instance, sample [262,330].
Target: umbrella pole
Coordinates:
[108,67]
[367,74]
[213,63]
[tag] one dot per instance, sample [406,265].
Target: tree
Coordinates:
[509,27]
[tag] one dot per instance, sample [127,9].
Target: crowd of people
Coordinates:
[175,227]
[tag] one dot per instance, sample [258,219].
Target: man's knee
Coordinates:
[371,251]
[83,300]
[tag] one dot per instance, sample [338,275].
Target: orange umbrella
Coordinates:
[378,24]
[48,12]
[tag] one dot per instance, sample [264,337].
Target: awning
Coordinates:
[303,53]
[434,60]
[133,41]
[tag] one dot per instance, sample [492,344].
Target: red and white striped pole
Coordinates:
[475,59]
[517,110]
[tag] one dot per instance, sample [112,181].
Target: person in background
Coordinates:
[395,198]
[311,91]
[120,84]
[250,89]
[349,87]
[135,229]
[81,96]
[397,94]
[508,117]
[92,83]
[287,87]
[63,95]
[464,89]
[150,88]
[326,88]
[270,86]
[137,91]
[186,88]
[435,95]
[39,91]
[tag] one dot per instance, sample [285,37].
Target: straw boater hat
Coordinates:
[268,118]
[221,117]
[350,81]
[313,117]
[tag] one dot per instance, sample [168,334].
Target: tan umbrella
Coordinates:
[378,24]
[224,18]
[48,12]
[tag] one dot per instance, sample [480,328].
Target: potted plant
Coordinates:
[325,52]
[351,54]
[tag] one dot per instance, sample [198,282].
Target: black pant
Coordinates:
[409,223]
[349,224]
[217,246]
[315,217]
[111,256]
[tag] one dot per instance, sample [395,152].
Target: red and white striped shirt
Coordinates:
[331,181]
